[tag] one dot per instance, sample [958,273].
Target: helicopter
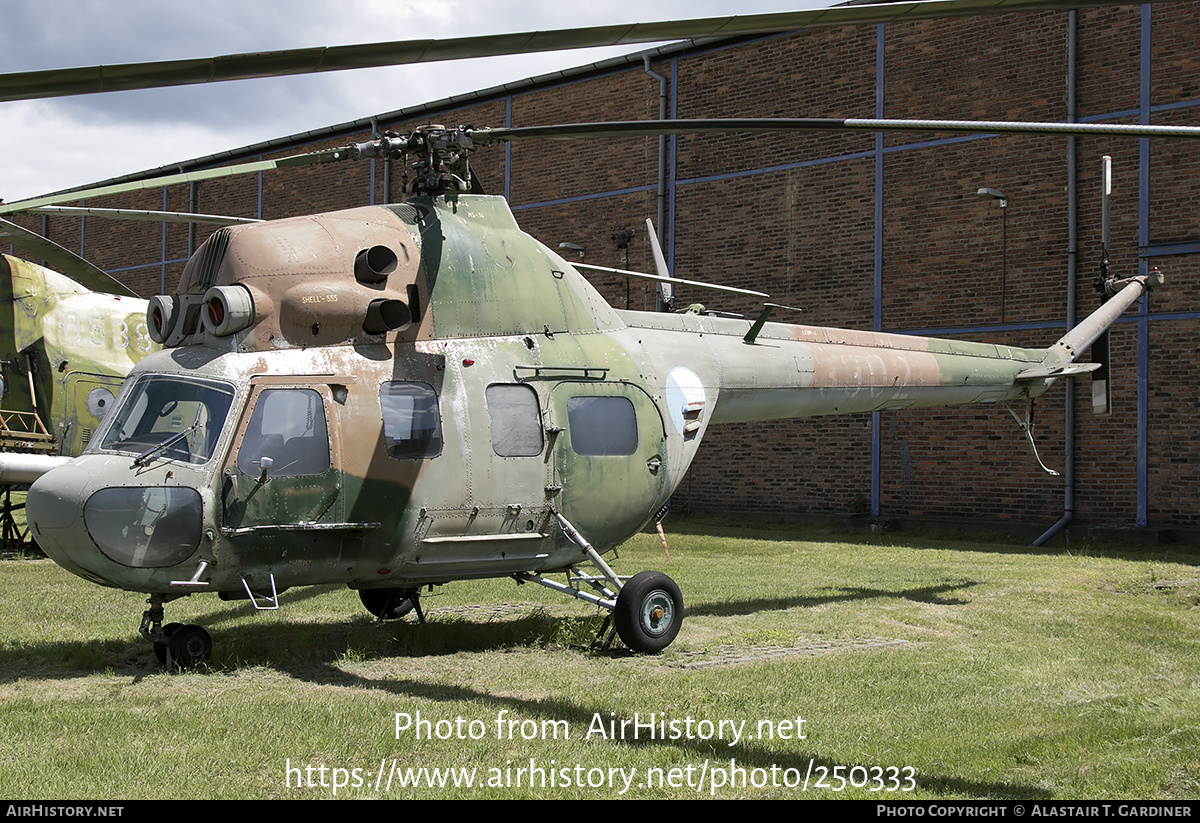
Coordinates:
[397,397]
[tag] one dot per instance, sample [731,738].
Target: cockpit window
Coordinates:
[183,416]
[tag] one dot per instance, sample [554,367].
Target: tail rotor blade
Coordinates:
[1101,381]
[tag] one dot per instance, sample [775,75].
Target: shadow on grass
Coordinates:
[931,536]
[249,644]
[923,594]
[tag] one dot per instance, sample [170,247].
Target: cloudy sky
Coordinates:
[55,144]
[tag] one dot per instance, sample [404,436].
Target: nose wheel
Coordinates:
[184,647]
[160,646]
[175,645]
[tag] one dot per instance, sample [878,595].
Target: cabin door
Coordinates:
[283,474]
[610,458]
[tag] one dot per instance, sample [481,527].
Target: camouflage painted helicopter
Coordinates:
[398,397]
[402,396]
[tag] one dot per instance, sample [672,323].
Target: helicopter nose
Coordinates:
[56,498]
[137,527]
[145,527]
[53,507]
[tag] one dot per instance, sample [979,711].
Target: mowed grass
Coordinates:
[976,669]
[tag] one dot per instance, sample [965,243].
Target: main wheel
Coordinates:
[388,604]
[649,612]
[190,646]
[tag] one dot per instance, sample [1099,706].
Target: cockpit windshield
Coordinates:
[175,417]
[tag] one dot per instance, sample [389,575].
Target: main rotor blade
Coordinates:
[653,128]
[325,156]
[675,281]
[144,215]
[30,85]
[64,261]
[629,128]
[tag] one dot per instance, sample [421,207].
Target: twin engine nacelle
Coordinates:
[316,310]
[221,312]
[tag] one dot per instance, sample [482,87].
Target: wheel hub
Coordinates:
[656,612]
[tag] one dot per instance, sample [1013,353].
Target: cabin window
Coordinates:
[515,420]
[287,426]
[412,427]
[602,425]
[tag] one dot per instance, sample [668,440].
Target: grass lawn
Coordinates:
[809,665]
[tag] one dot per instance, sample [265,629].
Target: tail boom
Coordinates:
[791,371]
[1078,339]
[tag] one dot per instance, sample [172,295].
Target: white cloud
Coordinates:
[69,153]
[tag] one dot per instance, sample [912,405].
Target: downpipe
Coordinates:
[1053,530]
[1072,280]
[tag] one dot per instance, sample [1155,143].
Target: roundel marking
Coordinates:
[683,387]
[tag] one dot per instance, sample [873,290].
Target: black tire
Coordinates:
[388,604]
[160,649]
[649,612]
[190,646]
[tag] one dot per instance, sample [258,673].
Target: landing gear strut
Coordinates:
[175,645]
[647,609]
